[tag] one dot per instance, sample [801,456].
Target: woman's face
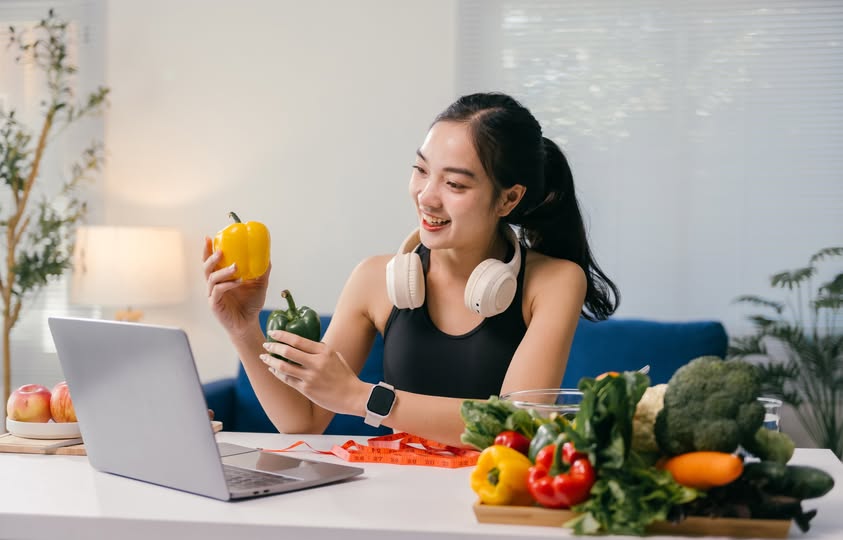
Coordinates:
[453,194]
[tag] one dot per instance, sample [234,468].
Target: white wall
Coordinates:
[302,115]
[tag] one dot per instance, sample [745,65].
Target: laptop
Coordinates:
[142,415]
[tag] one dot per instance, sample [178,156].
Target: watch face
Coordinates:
[380,400]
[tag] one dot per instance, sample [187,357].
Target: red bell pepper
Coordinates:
[570,454]
[514,440]
[555,486]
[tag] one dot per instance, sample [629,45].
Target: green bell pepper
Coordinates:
[301,321]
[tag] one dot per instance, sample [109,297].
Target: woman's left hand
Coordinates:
[323,376]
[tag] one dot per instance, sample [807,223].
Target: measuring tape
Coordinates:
[397,449]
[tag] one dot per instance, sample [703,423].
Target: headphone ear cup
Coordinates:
[490,288]
[405,281]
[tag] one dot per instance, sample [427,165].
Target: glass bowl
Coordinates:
[547,401]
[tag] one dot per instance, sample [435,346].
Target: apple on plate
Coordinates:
[61,406]
[29,403]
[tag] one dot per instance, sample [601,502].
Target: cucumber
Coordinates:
[808,482]
[797,481]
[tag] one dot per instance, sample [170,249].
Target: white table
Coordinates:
[64,497]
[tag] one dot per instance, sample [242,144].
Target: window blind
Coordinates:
[704,135]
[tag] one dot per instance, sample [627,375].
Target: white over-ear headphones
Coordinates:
[489,291]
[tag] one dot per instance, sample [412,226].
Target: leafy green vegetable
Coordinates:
[629,493]
[485,419]
[602,427]
[626,500]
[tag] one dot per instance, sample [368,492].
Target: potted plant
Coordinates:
[37,224]
[802,340]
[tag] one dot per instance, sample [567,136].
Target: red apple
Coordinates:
[29,403]
[61,407]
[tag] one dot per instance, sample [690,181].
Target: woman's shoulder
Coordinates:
[370,273]
[542,271]
[366,288]
[373,264]
[554,289]
[539,262]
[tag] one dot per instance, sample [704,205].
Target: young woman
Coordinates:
[467,310]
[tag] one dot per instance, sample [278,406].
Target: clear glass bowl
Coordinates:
[546,401]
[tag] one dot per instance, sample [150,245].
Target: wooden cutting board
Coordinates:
[691,526]
[66,447]
[20,445]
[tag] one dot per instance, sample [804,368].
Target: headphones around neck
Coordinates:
[489,291]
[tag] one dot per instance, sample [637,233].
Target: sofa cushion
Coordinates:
[629,344]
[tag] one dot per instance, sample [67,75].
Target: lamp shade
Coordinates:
[128,266]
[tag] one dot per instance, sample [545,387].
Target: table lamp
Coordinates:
[127,268]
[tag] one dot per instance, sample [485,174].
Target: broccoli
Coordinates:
[710,404]
[768,445]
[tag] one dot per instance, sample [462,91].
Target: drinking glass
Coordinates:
[772,412]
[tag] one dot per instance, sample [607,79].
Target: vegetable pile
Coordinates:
[635,454]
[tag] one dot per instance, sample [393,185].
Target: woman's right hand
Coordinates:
[235,303]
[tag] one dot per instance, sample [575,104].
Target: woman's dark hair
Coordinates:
[510,145]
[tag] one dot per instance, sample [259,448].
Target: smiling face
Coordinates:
[456,201]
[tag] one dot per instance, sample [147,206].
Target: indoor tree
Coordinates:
[802,339]
[37,224]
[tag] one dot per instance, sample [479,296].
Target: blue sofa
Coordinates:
[611,345]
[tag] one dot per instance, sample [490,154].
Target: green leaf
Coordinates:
[828,302]
[746,346]
[793,278]
[826,253]
[758,301]
[762,322]
[835,286]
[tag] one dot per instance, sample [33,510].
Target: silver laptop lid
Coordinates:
[141,410]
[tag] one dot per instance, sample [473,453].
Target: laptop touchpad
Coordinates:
[291,467]
[270,463]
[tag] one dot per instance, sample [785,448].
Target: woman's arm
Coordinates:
[327,374]
[236,304]
[288,410]
[554,292]
[327,378]
[553,296]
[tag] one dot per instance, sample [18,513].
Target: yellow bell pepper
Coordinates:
[500,477]
[247,245]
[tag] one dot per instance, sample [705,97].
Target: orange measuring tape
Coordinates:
[397,449]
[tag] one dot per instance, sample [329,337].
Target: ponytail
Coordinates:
[555,228]
[510,145]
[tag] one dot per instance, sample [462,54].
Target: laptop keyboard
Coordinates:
[239,478]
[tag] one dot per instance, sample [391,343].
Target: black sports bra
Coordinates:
[420,358]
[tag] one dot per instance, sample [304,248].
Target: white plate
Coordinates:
[43,430]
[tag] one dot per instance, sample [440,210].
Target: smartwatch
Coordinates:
[380,403]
